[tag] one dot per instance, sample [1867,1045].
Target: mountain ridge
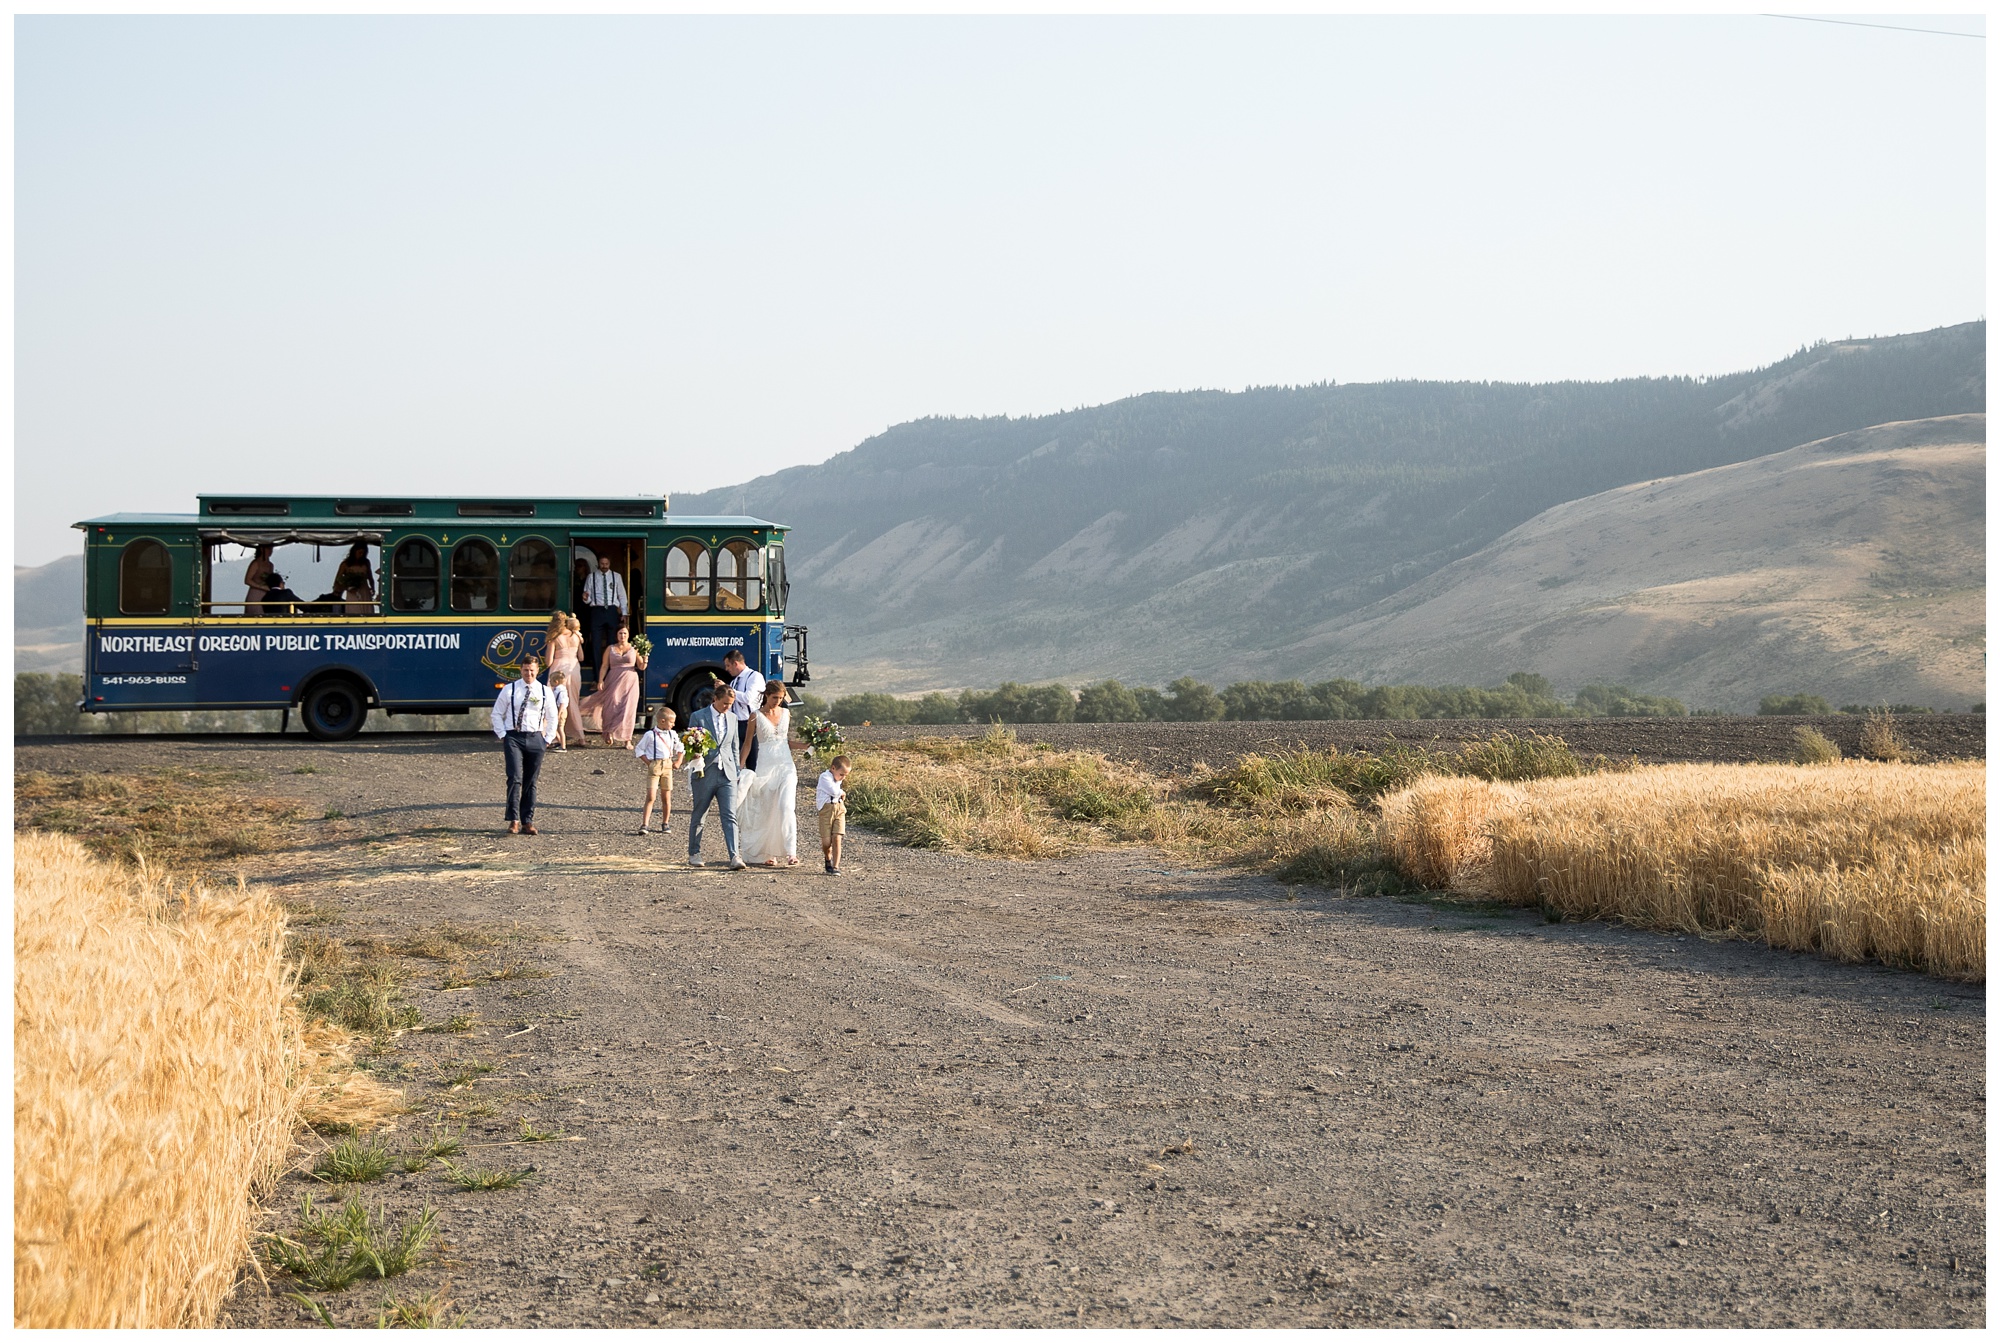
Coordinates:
[1207,532]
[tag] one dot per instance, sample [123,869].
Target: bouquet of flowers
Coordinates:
[699,741]
[643,645]
[822,736]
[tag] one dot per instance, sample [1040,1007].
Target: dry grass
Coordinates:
[995,796]
[161,1069]
[1303,814]
[425,1310]
[1810,746]
[1881,741]
[179,820]
[1854,861]
[339,1098]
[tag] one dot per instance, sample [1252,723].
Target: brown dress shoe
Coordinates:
[529,830]
[513,827]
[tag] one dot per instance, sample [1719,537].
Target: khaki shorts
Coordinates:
[832,821]
[659,769]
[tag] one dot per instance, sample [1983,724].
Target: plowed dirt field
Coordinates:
[1168,747]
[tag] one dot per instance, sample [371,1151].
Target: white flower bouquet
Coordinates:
[698,741]
[822,736]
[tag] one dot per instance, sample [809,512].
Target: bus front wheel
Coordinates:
[334,710]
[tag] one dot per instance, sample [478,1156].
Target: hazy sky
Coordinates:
[647,254]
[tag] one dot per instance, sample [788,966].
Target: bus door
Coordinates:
[140,598]
[628,560]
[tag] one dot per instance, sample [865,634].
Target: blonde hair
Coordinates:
[556,625]
[571,622]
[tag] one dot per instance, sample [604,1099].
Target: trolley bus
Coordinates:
[456,593]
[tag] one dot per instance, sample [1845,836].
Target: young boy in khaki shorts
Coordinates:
[661,750]
[831,801]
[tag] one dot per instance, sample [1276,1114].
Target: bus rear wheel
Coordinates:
[333,710]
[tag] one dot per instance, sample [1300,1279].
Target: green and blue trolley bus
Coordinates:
[455,593]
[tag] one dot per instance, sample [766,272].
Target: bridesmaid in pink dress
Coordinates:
[565,646]
[617,696]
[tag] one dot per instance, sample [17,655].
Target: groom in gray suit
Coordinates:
[717,781]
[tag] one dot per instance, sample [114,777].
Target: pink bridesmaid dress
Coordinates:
[617,697]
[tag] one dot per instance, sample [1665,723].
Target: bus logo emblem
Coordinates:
[503,653]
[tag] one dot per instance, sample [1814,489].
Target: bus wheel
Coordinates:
[688,697]
[333,710]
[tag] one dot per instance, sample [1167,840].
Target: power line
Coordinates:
[1888,27]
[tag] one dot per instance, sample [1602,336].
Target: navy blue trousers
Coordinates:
[600,631]
[524,762]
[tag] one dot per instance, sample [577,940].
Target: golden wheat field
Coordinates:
[160,1071]
[1856,861]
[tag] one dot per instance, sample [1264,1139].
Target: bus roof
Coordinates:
[434,513]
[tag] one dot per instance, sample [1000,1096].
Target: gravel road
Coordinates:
[1107,1091]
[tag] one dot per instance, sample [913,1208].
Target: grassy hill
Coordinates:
[48,616]
[1213,533]
[1853,567]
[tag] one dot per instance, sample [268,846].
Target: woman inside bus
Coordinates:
[354,581]
[564,640]
[617,697]
[257,578]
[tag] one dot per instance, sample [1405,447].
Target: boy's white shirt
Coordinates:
[828,791]
[657,743]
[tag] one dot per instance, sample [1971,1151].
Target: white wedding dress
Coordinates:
[767,801]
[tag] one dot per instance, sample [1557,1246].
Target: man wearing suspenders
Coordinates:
[525,717]
[604,610]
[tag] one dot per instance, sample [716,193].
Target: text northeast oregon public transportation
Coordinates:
[462,591]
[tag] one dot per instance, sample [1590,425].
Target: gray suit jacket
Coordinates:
[728,753]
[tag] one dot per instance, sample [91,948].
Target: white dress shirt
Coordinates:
[749,684]
[658,743]
[521,707]
[604,588]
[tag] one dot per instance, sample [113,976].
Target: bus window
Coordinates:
[475,576]
[531,575]
[688,577]
[739,577]
[145,579]
[413,585]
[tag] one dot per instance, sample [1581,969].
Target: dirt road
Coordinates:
[1106,1092]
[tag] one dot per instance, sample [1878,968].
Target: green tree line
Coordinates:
[45,705]
[1522,695]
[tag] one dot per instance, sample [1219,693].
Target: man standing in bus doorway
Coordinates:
[603,609]
[525,718]
[748,683]
[717,781]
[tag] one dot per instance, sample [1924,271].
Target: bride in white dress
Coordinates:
[767,807]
